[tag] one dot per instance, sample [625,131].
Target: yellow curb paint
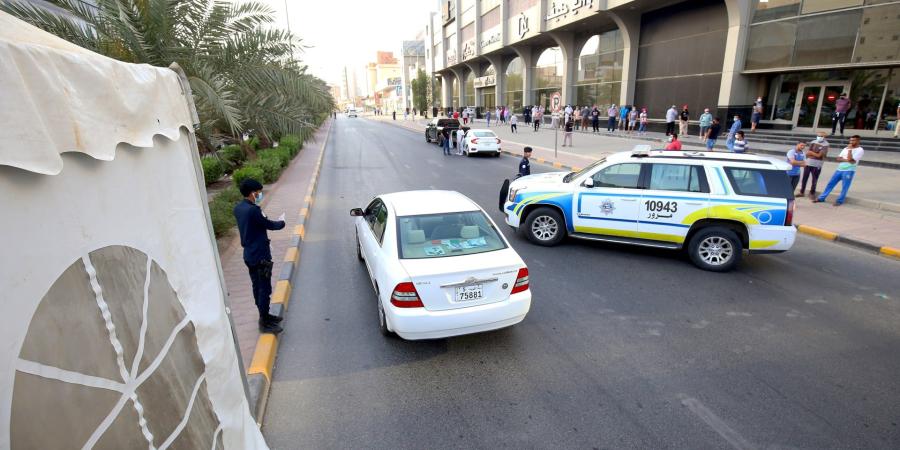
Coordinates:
[541,160]
[304,213]
[557,165]
[292,255]
[282,292]
[817,232]
[576,169]
[300,230]
[307,199]
[264,356]
[890,251]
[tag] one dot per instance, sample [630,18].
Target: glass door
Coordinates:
[817,104]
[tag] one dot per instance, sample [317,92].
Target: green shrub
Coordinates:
[221,210]
[248,171]
[282,155]
[291,142]
[269,167]
[232,155]
[254,142]
[213,169]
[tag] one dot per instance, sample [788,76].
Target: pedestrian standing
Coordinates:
[713,133]
[612,113]
[705,122]
[487,116]
[497,114]
[586,117]
[456,115]
[897,122]
[569,130]
[683,118]
[513,122]
[445,140]
[577,117]
[643,119]
[735,127]
[524,164]
[740,143]
[538,117]
[406,114]
[253,228]
[632,119]
[816,152]
[460,140]
[623,118]
[671,115]
[848,160]
[841,108]
[796,157]
[595,119]
[674,143]
[756,115]
[394,114]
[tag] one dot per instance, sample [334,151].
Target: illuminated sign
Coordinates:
[485,81]
[561,9]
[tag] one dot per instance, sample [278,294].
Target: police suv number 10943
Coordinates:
[661,206]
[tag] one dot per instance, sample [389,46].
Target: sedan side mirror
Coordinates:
[588,182]
[357,212]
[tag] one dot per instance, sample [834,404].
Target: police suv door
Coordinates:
[677,195]
[607,202]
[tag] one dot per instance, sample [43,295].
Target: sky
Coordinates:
[349,32]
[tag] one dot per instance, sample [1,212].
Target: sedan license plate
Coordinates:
[469,293]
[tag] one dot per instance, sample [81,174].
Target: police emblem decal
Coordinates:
[607,207]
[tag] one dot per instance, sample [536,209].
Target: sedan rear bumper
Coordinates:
[419,323]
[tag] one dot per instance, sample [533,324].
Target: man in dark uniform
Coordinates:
[253,226]
[524,164]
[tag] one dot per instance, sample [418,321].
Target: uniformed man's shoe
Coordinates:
[274,328]
[273,319]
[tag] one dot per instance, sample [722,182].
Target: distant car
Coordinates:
[481,141]
[436,126]
[351,112]
[439,266]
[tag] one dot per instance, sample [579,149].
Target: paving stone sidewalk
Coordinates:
[286,195]
[874,185]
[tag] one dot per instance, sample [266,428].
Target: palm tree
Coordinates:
[240,68]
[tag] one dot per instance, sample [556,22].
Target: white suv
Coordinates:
[713,204]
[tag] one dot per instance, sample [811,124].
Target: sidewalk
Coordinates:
[286,195]
[871,214]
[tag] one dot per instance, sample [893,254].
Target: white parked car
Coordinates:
[439,266]
[481,141]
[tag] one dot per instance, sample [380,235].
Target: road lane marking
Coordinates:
[715,422]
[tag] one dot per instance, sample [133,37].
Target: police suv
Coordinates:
[714,205]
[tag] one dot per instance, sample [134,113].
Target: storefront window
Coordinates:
[548,73]
[600,70]
[771,44]
[455,98]
[488,97]
[775,9]
[814,6]
[514,83]
[826,39]
[878,35]
[470,89]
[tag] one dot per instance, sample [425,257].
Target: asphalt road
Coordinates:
[623,347]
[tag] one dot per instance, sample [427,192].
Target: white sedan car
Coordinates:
[439,266]
[481,141]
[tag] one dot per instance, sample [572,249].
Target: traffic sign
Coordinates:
[556,102]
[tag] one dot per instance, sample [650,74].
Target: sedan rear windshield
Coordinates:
[446,234]
[448,123]
[760,182]
[484,134]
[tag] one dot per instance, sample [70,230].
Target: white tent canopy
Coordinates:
[113,326]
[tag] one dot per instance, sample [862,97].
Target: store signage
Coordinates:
[448,10]
[486,81]
[468,49]
[451,56]
[523,25]
[393,81]
[560,9]
[491,39]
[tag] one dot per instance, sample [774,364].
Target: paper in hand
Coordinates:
[281,217]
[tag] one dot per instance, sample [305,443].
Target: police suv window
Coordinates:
[760,182]
[678,177]
[619,176]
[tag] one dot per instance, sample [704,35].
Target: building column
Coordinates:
[473,65]
[629,24]
[566,43]
[735,90]
[477,29]
[500,86]
[459,73]
[446,89]
[527,55]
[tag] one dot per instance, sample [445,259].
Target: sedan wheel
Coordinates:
[382,320]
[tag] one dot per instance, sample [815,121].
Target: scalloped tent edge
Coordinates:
[58,97]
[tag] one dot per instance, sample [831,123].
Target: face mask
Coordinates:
[736,119]
[259,198]
[670,138]
[819,138]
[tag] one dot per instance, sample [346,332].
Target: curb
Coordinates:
[259,374]
[852,242]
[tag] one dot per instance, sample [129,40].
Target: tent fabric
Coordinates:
[57,97]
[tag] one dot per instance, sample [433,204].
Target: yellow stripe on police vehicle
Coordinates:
[712,205]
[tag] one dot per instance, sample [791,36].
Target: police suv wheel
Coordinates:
[717,249]
[545,226]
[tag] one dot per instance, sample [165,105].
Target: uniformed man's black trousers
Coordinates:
[261,278]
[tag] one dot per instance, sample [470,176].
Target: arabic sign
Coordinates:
[486,81]
[523,25]
[491,37]
[451,56]
[468,49]
[568,10]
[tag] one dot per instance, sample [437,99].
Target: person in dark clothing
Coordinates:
[524,164]
[253,226]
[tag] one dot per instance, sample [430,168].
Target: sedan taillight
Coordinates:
[406,296]
[521,281]
[474,140]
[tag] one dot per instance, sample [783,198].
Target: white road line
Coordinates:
[715,422]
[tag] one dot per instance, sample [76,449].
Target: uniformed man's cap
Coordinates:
[250,186]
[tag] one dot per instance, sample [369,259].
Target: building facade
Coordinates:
[412,59]
[797,55]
